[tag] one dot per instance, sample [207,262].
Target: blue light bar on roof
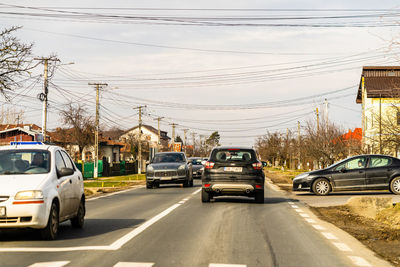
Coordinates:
[25,143]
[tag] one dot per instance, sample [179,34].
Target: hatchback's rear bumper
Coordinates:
[242,188]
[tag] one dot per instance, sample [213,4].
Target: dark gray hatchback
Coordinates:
[233,171]
[363,172]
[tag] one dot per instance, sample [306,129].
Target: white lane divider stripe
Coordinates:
[329,235]
[226,265]
[195,192]
[134,264]
[318,227]
[304,215]
[342,246]
[126,238]
[299,210]
[295,206]
[290,203]
[50,264]
[359,261]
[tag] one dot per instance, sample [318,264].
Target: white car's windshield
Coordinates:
[24,162]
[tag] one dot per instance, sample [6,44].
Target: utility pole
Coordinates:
[140,139]
[159,132]
[184,133]
[317,120]
[44,96]
[298,142]
[326,112]
[96,134]
[173,135]
[194,143]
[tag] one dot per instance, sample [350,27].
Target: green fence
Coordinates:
[116,169]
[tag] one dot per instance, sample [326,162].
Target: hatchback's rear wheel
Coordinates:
[395,185]
[79,219]
[205,196]
[149,185]
[321,187]
[51,230]
[259,197]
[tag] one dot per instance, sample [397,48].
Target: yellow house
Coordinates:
[379,96]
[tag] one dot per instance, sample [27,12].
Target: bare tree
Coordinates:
[324,142]
[82,126]
[15,60]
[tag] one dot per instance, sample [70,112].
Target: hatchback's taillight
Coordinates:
[209,165]
[257,166]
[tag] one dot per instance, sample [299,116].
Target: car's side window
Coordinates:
[59,161]
[379,162]
[67,160]
[352,164]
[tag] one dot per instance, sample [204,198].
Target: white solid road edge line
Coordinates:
[329,235]
[359,261]
[50,264]
[226,265]
[195,192]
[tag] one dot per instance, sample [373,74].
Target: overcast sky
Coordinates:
[185,72]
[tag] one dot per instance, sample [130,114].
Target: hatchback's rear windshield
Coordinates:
[24,162]
[243,155]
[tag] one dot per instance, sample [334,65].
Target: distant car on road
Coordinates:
[197,167]
[169,168]
[233,171]
[40,187]
[363,172]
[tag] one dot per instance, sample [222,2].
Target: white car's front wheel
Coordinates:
[51,230]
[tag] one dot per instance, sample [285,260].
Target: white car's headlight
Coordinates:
[150,168]
[182,167]
[32,194]
[301,176]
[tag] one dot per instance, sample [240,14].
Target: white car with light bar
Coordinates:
[40,187]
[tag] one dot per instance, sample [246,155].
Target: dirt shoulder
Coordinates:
[374,221]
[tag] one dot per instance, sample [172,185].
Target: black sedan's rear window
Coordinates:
[242,155]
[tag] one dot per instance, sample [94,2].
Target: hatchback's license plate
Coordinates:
[3,212]
[166,178]
[233,169]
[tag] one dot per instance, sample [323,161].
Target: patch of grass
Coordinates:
[124,177]
[107,184]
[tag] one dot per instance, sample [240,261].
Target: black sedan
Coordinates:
[363,172]
[169,168]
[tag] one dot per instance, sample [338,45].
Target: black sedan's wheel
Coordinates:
[79,219]
[205,197]
[259,197]
[395,186]
[51,230]
[321,187]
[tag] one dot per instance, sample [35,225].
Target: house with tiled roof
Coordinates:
[379,95]
[19,132]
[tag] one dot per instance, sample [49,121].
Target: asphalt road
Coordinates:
[170,226]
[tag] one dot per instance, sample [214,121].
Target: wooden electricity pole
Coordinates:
[96,134]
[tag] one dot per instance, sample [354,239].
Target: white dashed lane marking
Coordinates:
[318,227]
[342,246]
[329,236]
[359,261]
[310,220]
[134,264]
[226,265]
[50,264]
